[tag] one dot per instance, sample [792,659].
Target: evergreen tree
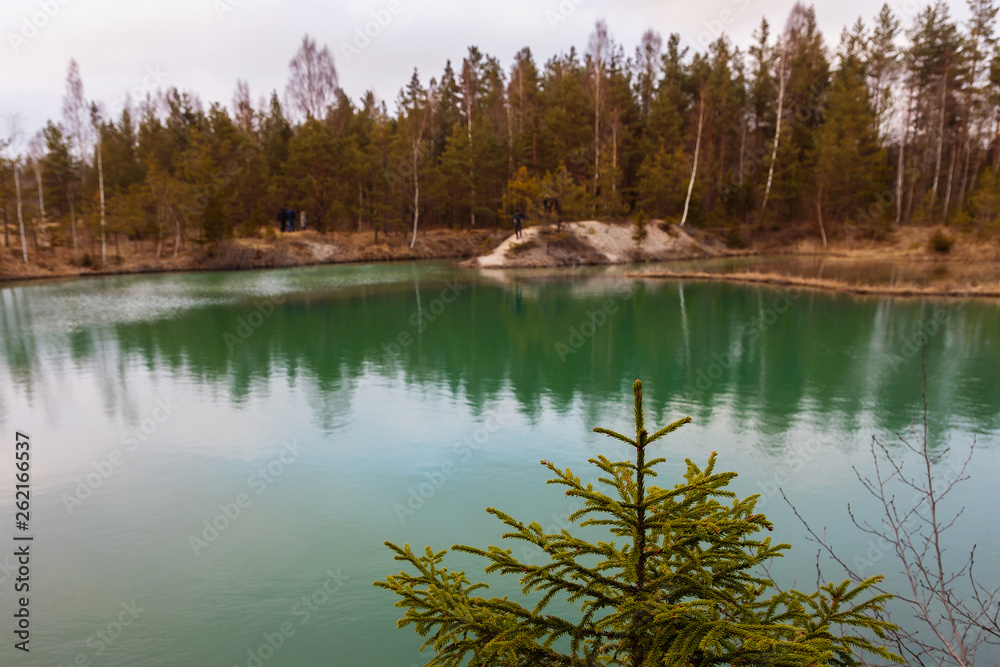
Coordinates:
[680,582]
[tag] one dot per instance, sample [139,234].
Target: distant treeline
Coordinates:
[894,125]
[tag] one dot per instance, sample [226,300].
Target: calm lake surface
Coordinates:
[337,407]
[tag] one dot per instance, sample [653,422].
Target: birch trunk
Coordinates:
[951,178]
[900,167]
[41,194]
[940,144]
[597,129]
[777,128]
[743,144]
[965,172]
[472,157]
[996,144]
[819,214]
[614,155]
[100,177]
[416,195]
[697,149]
[20,217]
[177,233]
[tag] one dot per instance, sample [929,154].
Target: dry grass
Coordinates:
[270,251]
[988,286]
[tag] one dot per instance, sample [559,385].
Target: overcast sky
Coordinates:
[205,45]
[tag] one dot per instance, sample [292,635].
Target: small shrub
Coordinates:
[521,248]
[87,261]
[734,236]
[941,242]
[640,233]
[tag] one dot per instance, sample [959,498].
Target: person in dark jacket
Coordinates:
[291,220]
[518,222]
[282,218]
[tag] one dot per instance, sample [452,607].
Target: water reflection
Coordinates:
[767,355]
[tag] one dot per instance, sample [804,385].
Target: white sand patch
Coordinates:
[595,243]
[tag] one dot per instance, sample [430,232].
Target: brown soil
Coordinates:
[292,249]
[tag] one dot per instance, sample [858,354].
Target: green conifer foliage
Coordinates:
[680,583]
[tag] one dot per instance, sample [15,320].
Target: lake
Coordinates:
[217,457]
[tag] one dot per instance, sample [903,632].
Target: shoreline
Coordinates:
[291,251]
[827,284]
[584,243]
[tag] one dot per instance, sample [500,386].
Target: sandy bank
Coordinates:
[593,242]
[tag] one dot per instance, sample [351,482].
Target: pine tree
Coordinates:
[683,586]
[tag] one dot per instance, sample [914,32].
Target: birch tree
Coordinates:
[20,214]
[782,83]
[75,119]
[471,67]
[36,151]
[697,150]
[96,122]
[416,107]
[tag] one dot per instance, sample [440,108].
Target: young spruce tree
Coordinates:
[683,585]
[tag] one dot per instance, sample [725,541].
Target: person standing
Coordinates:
[291,220]
[282,218]
[518,221]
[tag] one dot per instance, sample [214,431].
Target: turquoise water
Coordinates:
[224,454]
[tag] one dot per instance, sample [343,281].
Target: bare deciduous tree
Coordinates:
[243,110]
[313,82]
[954,625]
[648,65]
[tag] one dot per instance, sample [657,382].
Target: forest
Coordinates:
[896,123]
